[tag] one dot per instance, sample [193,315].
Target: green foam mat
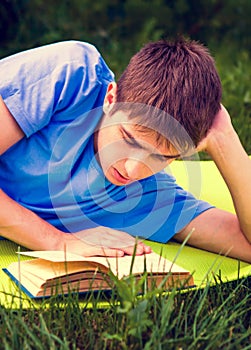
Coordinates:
[201,178]
[205,267]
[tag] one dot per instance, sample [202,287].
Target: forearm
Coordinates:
[217,231]
[235,167]
[22,226]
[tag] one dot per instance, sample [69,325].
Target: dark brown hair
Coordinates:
[179,78]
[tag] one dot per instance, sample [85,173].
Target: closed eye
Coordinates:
[161,158]
[165,158]
[130,140]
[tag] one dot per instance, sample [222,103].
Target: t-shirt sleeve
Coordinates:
[38,84]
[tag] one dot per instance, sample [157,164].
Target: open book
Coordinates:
[59,272]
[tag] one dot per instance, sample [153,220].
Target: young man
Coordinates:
[81,154]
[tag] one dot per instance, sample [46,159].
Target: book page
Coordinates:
[56,255]
[119,266]
[33,274]
[152,263]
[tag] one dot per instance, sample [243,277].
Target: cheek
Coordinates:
[112,153]
[155,166]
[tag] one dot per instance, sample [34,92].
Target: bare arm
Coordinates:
[219,232]
[27,229]
[22,226]
[216,230]
[10,132]
[226,150]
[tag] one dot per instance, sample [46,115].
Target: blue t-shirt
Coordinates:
[56,93]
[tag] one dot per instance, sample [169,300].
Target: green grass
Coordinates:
[209,318]
[237,94]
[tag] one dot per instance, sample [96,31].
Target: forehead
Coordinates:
[139,131]
[148,136]
[156,127]
[135,124]
[144,132]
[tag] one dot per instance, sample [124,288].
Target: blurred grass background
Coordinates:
[213,318]
[119,28]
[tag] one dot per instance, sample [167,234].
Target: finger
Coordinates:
[142,246]
[137,250]
[147,249]
[109,252]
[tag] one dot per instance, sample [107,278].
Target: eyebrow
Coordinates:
[138,145]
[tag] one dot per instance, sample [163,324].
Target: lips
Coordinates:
[119,177]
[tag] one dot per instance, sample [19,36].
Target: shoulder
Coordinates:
[40,82]
[84,55]
[69,51]
[65,55]
[64,50]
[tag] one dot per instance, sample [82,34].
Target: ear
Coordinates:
[110,97]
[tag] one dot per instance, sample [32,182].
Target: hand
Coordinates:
[222,126]
[103,241]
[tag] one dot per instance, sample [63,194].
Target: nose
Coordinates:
[136,169]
